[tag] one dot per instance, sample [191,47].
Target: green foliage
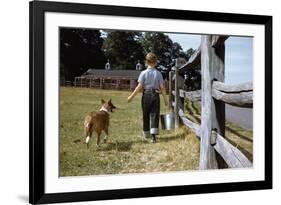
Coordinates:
[80,49]
[123,49]
[157,43]
[189,53]
[160,44]
[176,50]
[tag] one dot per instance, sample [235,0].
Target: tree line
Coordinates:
[83,49]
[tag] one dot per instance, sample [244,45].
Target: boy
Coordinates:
[151,83]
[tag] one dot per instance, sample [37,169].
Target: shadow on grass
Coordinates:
[122,146]
[193,118]
[126,146]
[118,146]
[195,108]
[170,138]
[238,134]
[188,109]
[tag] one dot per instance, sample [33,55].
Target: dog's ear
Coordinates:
[102,101]
[110,103]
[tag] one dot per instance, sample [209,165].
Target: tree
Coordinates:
[189,53]
[160,44]
[80,49]
[176,50]
[192,76]
[123,49]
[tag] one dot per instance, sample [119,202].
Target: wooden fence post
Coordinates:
[90,83]
[212,117]
[176,106]
[101,83]
[179,102]
[132,84]
[218,107]
[170,90]
[181,99]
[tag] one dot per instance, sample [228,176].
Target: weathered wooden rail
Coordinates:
[191,95]
[213,96]
[239,95]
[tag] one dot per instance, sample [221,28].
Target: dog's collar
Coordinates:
[104,109]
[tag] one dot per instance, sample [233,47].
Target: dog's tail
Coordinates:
[87,127]
[86,124]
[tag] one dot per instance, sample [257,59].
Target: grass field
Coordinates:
[126,151]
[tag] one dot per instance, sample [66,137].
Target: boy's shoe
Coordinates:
[153,140]
[146,135]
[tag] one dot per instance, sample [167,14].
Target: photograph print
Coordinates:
[151,102]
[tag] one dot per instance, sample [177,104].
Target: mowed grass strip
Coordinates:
[126,151]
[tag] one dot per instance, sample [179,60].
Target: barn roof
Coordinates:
[128,74]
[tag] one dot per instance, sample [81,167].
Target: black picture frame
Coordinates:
[37,192]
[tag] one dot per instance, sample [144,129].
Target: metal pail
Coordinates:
[168,121]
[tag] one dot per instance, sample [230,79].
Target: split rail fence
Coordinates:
[213,95]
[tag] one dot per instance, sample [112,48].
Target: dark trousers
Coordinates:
[151,112]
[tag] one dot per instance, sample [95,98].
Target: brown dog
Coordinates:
[98,122]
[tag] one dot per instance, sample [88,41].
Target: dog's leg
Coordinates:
[88,134]
[98,138]
[106,136]
[87,140]
[88,127]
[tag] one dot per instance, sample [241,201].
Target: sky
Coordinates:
[238,55]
